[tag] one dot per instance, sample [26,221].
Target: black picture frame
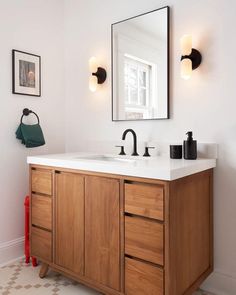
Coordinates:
[18,58]
[168,66]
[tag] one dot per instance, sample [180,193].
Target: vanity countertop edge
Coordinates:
[161,167]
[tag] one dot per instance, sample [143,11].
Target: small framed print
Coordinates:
[26,73]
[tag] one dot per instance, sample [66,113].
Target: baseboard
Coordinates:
[11,250]
[220,283]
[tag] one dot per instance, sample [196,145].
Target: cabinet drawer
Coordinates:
[41,181]
[41,214]
[142,278]
[41,244]
[145,200]
[144,239]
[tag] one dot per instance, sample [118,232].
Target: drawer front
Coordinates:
[41,181]
[145,200]
[41,214]
[41,244]
[144,239]
[142,278]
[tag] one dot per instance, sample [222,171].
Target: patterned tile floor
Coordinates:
[21,279]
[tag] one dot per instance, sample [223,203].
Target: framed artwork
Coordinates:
[26,73]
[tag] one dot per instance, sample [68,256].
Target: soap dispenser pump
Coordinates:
[190,147]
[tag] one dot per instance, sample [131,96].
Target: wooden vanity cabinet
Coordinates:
[123,235]
[69,221]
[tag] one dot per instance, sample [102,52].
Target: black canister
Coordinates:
[190,147]
[176,151]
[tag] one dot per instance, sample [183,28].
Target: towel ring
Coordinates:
[26,112]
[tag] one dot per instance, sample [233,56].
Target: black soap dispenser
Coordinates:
[190,147]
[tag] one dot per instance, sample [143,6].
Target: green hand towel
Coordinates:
[30,135]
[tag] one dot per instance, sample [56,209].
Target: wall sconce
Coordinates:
[98,76]
[191,58]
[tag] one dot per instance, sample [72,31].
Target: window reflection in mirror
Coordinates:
[140,67]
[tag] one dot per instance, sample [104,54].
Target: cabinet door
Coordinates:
[69,236]
[102,231]
[143,278]
[41,181]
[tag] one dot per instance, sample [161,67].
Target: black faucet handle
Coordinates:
[146,154]
[122,150]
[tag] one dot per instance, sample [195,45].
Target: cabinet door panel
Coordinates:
[144,200]
[41,211]
[144,239]
[41,244]
[102,232]
[41,181]
[69,248]
[142,278]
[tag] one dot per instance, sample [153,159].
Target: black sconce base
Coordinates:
[101,75]
[195,57]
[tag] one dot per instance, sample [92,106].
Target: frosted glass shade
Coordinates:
[186,68]
[93,82]
[186,45]
[93,65]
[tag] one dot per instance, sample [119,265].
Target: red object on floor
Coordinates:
[27,242]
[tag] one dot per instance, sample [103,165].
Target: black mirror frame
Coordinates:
[168,65]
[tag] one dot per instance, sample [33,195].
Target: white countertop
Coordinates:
[161,167]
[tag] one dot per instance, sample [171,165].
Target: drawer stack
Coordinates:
[144,239]
[41,213]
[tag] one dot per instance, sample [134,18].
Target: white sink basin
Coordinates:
[106,159]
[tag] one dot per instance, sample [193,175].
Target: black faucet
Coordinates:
[135,140]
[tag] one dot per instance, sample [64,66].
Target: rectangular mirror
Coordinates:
[140,61]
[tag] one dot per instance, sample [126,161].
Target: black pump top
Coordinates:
[190,135]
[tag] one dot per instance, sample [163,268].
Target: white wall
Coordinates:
[35,27]
[205,104]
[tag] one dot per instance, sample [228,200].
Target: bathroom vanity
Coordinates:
[122,225]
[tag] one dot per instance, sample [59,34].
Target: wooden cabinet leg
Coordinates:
[43,270]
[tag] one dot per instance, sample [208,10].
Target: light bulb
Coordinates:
[186,45]
[93,82]
[93,65]
[186,68]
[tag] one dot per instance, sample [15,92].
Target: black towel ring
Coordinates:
[26,112]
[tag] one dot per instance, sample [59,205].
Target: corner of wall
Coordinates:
[11,250]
